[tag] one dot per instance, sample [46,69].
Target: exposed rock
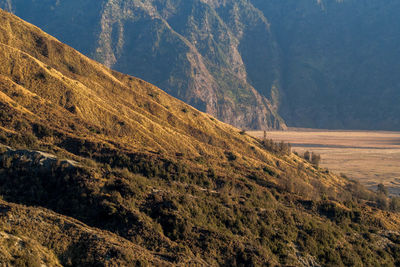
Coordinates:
[34,160]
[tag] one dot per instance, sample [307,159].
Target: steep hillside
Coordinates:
[185,47]
[319,64]
[107,170]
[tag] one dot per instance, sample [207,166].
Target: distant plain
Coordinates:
[371,157]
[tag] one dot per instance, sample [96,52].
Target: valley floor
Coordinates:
[372,157]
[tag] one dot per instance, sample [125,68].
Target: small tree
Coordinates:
[307,156]
[382,189]
[395,204]
[315,159]
[382,201]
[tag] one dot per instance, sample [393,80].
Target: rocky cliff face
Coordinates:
[194,50]
[327,64]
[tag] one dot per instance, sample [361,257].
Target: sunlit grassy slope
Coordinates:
[130,175]
[46,83]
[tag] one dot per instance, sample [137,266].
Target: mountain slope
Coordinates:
[317,64]
[120,172]
[185,47]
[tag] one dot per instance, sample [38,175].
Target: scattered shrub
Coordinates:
[381,189]
[307,156]
[230,155]
[395,204]
[382,201]
[42,130]
[40,75]
[315,159]
[72,69]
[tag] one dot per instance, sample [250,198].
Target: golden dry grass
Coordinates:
[368,156]
[50,82]
[27,232]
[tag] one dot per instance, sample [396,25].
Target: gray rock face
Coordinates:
[36,161]
[194,51]
[325,63]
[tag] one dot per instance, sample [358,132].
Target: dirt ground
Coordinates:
[371,157]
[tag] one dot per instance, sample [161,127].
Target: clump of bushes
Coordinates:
[359,191]
[280,148]
[20,140]
[383,201]
[312,157]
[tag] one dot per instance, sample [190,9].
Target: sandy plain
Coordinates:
[371,157]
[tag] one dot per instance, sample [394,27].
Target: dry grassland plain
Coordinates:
[371,157]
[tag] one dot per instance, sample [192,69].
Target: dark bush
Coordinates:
[395,204]
[382,201]
[42,130]
[230,155]
[381,189]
